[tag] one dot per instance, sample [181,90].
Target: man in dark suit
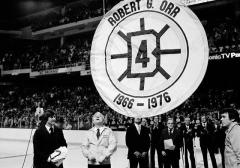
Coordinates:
[138,143]
[188,136]
[47,138]
[155,131]
[205,131]
[170,144]
[220,140]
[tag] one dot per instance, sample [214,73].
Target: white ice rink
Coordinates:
[12,156]
[12,153]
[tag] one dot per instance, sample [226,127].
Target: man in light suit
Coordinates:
[100,144]
[138,143]
[47,138]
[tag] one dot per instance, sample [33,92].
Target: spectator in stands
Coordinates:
[144,123]
[39,112]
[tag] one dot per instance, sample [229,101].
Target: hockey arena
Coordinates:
[63,61]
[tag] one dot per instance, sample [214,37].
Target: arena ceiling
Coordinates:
[12,9]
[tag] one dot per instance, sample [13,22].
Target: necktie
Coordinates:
[139,129]
[51,130]
[98,133]
[170,132]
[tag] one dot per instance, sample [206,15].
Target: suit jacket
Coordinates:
[155,134]
[220,137]
[103,147]
[176,138]
[136,142]
[232,146]
[44,144]
[188,134]
[206,135]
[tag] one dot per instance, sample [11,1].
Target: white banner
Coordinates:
[58,71]
[228,55]
[148,56]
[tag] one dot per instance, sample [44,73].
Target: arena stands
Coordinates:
[223,35]
[77,104]
[41,55]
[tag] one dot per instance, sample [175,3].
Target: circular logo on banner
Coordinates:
[148,56]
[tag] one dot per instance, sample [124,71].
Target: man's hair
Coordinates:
[48,113]
[98,113]
[170,118]
[232,113]
[60,120]
[137,118]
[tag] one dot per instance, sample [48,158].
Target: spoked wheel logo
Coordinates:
[146,57]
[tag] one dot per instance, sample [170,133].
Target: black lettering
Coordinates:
[120,99]
[169,8]
[149,4]
[138,4]
[121,12]
[175,11]
[126,8]
[166,97]
[133,6]
[163,5]
[116,16]
[154,102]
[111,21]
[116,98]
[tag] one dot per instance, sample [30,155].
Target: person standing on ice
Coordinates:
[100,144]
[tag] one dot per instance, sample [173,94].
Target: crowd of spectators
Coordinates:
[64,15]
[77,104]
[224,49]
[222,37]
[70,54]
[45,56]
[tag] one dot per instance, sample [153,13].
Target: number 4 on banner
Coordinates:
[142,54]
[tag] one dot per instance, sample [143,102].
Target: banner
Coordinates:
[221,56]
[148,56]
[58,71]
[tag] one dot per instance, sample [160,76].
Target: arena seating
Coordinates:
[77,104]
